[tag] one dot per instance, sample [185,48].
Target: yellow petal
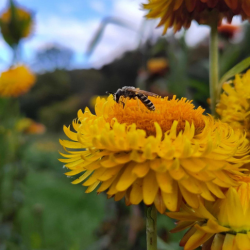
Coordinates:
[193,164]
[127,178]
[212,227]
[197,239]
[105,185]
[171,200]
[136,192]
[110,172]
[92,187]
[74,172]
[70,144]
[177,174]
[191,199]
[94,177]
[150,188]
[82,177]
[215,190]
[218,242]
[191,185]
[225,217]
[165,182]
[69,133]
[119,196]
[229,242]
[141,169]
[242,241]
[159,204]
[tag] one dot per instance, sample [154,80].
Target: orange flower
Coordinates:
[180,13]
[228,31]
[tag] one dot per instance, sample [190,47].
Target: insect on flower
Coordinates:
[133,93]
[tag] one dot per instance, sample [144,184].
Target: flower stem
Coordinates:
[213,65]
[151,218]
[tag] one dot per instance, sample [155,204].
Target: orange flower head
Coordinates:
[180,13]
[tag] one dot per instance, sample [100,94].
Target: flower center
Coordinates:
[166,112]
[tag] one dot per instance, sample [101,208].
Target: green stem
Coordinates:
[213,65]
[151,218]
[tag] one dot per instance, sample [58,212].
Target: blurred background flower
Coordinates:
[16,81]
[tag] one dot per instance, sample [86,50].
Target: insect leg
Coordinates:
[125,102]
[138,103]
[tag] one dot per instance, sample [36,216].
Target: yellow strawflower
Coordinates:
[153,156]
[180,13]
[223,225]
[234,105]
[16,81]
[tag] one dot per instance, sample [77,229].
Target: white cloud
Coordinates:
[72,33]
[98,6]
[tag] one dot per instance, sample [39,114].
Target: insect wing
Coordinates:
[146,93]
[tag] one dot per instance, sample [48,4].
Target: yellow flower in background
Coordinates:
[234,105]
[157,65]
[180,13]
[224,225]
[16,81]
[155,157]
[16,23]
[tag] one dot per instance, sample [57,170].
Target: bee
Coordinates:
[133,93]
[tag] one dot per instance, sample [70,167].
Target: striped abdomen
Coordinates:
[148,104]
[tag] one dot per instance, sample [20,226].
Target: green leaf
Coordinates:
[162,245]
[232,72]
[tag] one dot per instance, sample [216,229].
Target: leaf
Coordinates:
[232,72]
[162,245]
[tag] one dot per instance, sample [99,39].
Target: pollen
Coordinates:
[166,112]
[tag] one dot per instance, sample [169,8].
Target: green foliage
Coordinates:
[57,114]
[57,214]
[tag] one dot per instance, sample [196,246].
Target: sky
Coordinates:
[73,23]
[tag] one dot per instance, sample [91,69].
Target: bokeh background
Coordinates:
[78,50]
